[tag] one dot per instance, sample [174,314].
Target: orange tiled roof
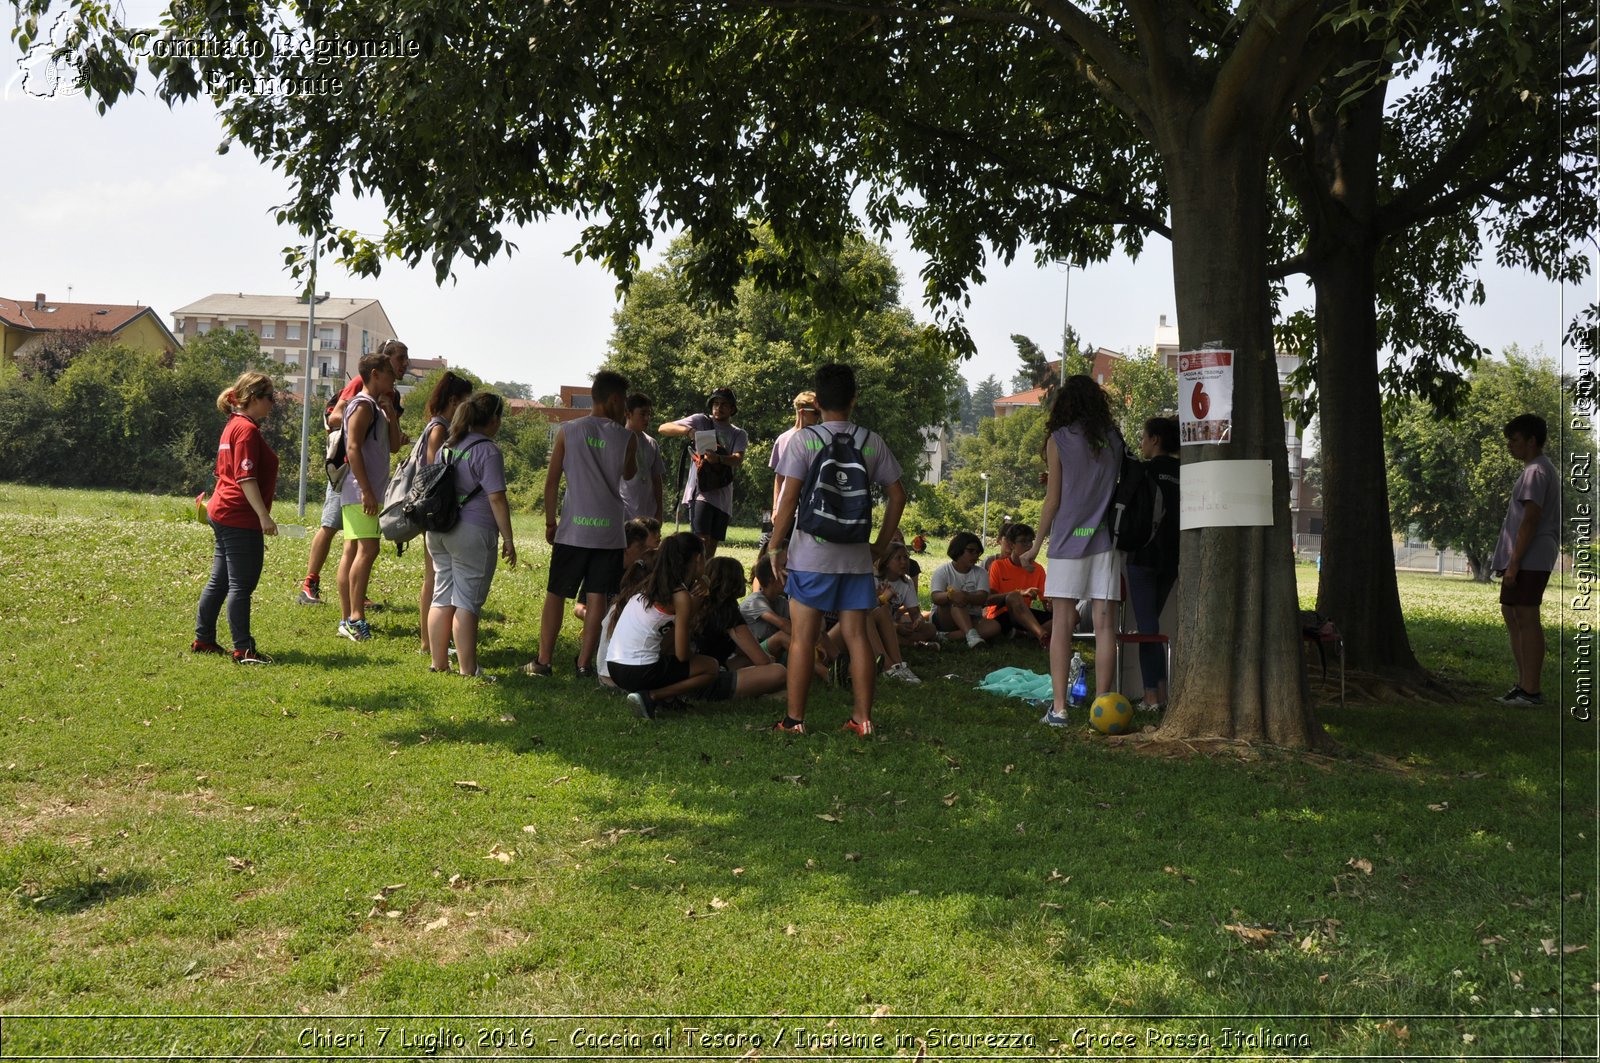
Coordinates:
[64,317]
[1031,397]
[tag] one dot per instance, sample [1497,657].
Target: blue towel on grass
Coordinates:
[1017,683]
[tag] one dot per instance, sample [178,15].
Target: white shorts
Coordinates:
[1094,577]
[464,560]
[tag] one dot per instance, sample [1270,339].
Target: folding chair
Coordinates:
[1125,637]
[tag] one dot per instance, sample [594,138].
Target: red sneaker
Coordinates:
[788,726]
[205,647]
[862,727]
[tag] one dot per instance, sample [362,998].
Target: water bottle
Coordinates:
[1078,694]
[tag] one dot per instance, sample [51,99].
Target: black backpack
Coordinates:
[836,499]
[432,504]
[336,459]
[1137,507]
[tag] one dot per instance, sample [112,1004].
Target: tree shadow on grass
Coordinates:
[82,894]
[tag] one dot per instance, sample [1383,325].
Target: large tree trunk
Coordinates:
[1357,589]
[1238,670]
[1339,175]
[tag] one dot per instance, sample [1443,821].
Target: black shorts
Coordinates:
[708,521]
[1008,624]
[592,570]
[1527,590]
[636,677]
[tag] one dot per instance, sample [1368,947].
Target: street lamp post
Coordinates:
[985,477]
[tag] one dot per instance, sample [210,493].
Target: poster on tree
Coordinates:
[1205,397]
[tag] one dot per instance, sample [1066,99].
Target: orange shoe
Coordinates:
[862,728]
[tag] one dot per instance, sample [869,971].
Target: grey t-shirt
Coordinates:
[482,466]
[638,494]
[756,603]
[734,440]
[596,448]
[1088,480]
[1541,485]
[807,553]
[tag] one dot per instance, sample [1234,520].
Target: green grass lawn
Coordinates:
[345,835]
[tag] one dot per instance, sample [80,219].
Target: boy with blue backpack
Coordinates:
[826,475]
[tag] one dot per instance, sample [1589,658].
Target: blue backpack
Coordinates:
[836,499]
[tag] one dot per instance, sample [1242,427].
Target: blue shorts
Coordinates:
[833,592]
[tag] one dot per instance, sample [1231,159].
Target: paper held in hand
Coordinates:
[705,441]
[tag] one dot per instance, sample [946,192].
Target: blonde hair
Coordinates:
[250,385]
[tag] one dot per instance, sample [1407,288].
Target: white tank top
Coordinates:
[640,635]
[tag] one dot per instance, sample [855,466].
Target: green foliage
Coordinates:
[1010,449]
[1038,370]
[118,417]
[1140,388]
[677,348]
[1449,478]
[981,406]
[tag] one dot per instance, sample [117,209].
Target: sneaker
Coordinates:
[201,646]
[480,676]
[1512,696]
[533,667]
[250,656]
[788,726]
[583,671]
[642,704]
[310,591]
[974,640]
[1149,706]
[862,728]
[1054,719]
[1525,698]
[355,630]
[903,672]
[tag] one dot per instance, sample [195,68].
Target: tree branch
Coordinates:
[1270,58]
[1101,49]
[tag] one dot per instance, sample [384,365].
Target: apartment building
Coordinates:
[346,329]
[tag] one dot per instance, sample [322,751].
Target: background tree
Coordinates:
[511,389]
[1430,135]
[1038,369]
[1009,449]
[766,345]
[983,398]
[1450,478]
[1141,387]
[50,355]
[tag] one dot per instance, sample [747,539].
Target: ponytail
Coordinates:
[250,385]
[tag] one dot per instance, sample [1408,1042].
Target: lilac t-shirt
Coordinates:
[596,449]
[1088,480]
[638,494]
[374,453]
[734,440]
[482,466]
[1541,485]
[807,553]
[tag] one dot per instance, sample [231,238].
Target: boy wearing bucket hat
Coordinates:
[709,492]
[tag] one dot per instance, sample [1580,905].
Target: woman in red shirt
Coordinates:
[240,511]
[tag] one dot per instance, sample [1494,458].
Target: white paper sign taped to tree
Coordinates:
[1225,494]
[1205,397]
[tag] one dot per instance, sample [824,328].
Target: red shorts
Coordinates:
[1527,590]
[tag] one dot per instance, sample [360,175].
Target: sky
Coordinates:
[136,206]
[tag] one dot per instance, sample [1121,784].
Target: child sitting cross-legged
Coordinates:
[766,611]
[721,632]
[649,650]
[898,590]
[1016,585]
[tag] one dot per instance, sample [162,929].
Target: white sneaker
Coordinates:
[902,672]
[974,640]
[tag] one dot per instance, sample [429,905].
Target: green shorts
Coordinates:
[357,525]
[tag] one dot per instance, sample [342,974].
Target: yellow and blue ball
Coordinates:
[1111,714]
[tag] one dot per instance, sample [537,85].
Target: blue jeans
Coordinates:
[1148,588]
[235,571]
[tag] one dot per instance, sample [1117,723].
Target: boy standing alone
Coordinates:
[828,577]
[710,507]
[596,453]
[1530,541]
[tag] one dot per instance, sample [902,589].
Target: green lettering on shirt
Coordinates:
[593,522]
[593,442]
[1082,533]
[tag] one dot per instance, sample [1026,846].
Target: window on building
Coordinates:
[366,342]
[291,331]
[326,339]
[239,326]
[202,327]
[269,330]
